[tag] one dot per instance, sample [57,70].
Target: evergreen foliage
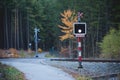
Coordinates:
[18,18]
[111,44]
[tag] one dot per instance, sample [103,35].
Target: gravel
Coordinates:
[92,69]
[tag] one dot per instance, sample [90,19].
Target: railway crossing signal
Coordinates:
[79,30]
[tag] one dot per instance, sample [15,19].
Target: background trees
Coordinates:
[18,18]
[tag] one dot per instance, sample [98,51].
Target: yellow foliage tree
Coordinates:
[68,18]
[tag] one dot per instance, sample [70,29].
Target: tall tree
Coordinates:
[68,18]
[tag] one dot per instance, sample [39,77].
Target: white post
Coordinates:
[36,42]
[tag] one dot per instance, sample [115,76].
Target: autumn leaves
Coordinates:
[68,18]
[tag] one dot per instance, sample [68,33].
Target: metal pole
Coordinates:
[79,44]
[79,52]
[36,41]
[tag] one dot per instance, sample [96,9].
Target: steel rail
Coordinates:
[87,60]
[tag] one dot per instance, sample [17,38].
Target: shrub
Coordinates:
[64,52]
[28,53]
[39,50]
[49,56]
[13,53]
[111,44]
[3,53]
[9,53]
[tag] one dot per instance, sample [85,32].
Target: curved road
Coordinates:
[36,69]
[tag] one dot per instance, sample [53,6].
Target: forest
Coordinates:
[18,18]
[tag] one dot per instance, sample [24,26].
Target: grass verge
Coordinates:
[10,73]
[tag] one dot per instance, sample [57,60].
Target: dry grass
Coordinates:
[64,52]
[13,53]
[3,53]
[9,53]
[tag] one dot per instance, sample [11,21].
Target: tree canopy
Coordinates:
[18,18]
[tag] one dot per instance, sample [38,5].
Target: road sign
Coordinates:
[79,28]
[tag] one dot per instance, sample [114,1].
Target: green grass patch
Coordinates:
[49,56]
[10,73]
[24,54]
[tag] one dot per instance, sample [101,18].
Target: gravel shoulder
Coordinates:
[89,69]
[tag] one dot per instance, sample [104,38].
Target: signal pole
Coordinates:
[79,43]
[36,41]
[79,29]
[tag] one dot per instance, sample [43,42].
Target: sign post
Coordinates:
[36,41]
[79,29]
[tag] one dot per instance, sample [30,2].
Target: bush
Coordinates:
[24,54]
[64,52]
[111,44]
[3,53]
[49,56]
[9,53]
[10,73]
[39,50]
[13,53]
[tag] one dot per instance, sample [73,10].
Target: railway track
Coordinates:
[98,70]
[75,59]
[86,60]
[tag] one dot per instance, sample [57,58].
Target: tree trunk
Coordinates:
[28,31]
[11,31]
[6,29]
[21,33]
[70,54]
[17,29]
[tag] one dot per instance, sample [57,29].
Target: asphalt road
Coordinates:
[36,69]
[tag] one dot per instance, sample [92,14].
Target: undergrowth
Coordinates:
[10,73]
